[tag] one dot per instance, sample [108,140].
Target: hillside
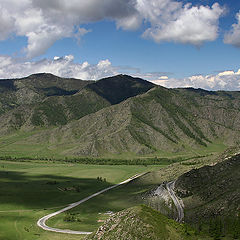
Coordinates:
[211,191]
[211,197]
[35,88]
[119,88]
[117,115]
[141,223]
[47,100]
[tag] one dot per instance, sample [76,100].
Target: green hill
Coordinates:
[47,100]
[211,197]
[159,120]
[142,223]
[211,190]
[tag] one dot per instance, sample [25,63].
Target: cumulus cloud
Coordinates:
[233,36]
[44,22]
[173,21]
[39,41]
[227,73]
[158,80]
[226,80]
[60,66]
[6,24]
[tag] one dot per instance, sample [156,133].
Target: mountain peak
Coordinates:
[120,87]
[42,75]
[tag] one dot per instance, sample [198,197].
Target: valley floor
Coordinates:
[30,190]
[33,189]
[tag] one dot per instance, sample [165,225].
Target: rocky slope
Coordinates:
[211,191]
[160,119]
[46,100]
[35,88]
[141,223]
[116,115]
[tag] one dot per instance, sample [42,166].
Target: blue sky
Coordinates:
[170,42]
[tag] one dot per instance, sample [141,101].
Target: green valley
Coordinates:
[64,139]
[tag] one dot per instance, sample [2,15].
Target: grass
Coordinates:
[15,145]
[121,198]
[30,190]
[142,223]
[95,209]
[20,144]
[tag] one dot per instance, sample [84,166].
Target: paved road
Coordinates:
[42,221]
[170,187]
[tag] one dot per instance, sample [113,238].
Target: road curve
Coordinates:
[42,221]
[170,188]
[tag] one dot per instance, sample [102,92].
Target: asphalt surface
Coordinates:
[42,221]
[170,188]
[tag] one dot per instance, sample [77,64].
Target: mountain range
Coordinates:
[112,116]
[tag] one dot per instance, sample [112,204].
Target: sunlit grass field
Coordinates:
[30,190]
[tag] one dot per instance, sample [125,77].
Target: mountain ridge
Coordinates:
[142,118]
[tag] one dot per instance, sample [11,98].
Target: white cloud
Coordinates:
[132,22]
[163,78]
[226,73]
[44,22]
[104,64]
[6,24]
[81,32]
[173,21]
[226,80]
[233,36]
[39,41]
[60,66]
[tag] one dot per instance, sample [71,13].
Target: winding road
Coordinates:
[42,221]
[170,188]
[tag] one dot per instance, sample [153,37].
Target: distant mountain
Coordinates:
[115,115]
[119,88]
[35,88]
[47,100]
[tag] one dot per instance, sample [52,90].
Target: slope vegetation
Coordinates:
[141,223]
[119,115]
[211,197]
[118,88]
[47,100]
[211,190]
[160,119]
[35,88]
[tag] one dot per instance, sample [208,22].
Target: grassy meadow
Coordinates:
[30,190]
